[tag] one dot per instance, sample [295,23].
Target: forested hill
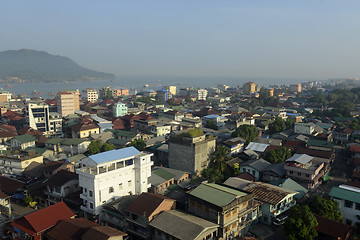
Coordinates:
[38,66]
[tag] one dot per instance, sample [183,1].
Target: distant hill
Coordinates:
[39,66]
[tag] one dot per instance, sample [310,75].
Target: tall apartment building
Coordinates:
[202,94]
[5,96]
[189,152]
[68,102]
[41,119]
[90,95]
[249,88]
[295,88]
[120,109]
[171,89]
[107,176]
[163,95]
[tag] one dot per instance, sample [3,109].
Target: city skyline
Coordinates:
[277,39]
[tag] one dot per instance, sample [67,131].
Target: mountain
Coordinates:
[39,66]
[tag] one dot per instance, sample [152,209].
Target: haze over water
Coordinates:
[138,83]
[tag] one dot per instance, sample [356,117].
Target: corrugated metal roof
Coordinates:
[216,194]
[300,158]
[345,194]
[257,147]
[114,155]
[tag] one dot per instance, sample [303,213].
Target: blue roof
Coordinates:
[114,155]
[292,114]
[213,116]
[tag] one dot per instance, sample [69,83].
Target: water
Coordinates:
[138,83]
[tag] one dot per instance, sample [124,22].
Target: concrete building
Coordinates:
[163,95]
[15,164]
[249,88]
[295,88]
[90,95]
[202,94]
[120,109]
[348,198]
[68,102]
[107,176]
[190,153]
[304,128]
[271,92]
[38,116]
[171,89]
[233,210]
[5,96]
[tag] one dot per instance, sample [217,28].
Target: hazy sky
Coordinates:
[243,38]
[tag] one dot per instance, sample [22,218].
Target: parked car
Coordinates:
[279,220]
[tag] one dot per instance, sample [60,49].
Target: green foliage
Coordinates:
[289,123]
[94,147]
[247,132]
[325,207]
[300,224]
[97,147]
[355,124]
[236,169]
[211,124]
[216,171]
[107,147]
[144,100]
[28,199]
[196,132]
[319,100]
[278,155]
[138,144]
[277,126]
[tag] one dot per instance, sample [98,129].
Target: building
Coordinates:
[67,102]
[231,209]
[35,224]
[38,116]
[90,95]
[190,151]
[249,88]
[15,164]
[202,94]
[5,96]
[171,89]
[143,210]
[174,224]
[254,167]
[55,125]
[217,120]
[109,175]
[270,91]
[22,142]
[295,88]
[306,170]
[304,128]
[120,109]
[276,200]
[163,95]
[348,198]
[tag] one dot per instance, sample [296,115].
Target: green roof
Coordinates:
[55,140]
[122,133]
[216,194]
[73,141]
[163,174]
[37,150]
[341,193]
[319,143]
[25,138]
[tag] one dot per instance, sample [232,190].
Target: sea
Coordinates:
[138,83]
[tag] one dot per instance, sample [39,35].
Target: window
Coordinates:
[111,189]
[228,215]
[307,175]
[348,204]
[234,225]
[357,206]
[234,212]
[91,205]
[120,186]
[291,172]
[85,190]
[129,183]
[348,222]
[90,193]
[299,173]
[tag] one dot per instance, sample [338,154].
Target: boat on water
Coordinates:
[35,92]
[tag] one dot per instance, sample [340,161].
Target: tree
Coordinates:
[211,124]
[278,155]
[289,123]
[247,132]
[277,126]
[94,147]
[216,170]
[300,224]
[107,147]
[325,207]
[138,144]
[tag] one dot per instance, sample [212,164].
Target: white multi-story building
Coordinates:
[348,198]
[202,94]
[107,176]
[120,109]
[90,95]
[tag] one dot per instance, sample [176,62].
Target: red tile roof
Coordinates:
[9,185]
[146,204]
[7,131]
[43,219]
[332,228]
[355,148]
[246,176]
[316,153]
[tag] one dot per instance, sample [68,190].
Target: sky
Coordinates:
[305,39]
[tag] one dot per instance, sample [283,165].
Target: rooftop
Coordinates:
[300,158]
[114,155]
